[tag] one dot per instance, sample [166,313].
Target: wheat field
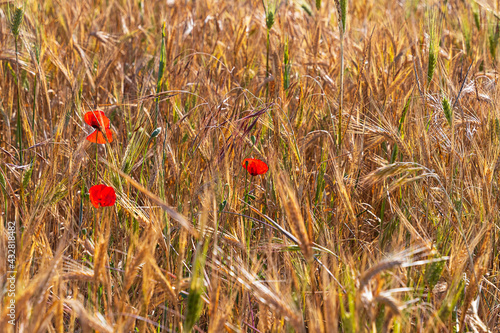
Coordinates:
[378,122]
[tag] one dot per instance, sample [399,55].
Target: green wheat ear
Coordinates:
[467,32]
[433,272]
[448,113]
[434,35]
[269,19]
[318,4]
[196,290]
[306,8]
[477,19]
[16,22]
[431,66]
[343,12]
[286,65]
[493,35]
[270,11]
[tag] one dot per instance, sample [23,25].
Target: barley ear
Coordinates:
[434,35]
[16,21]
[448,112]
[295,219]
[196,290]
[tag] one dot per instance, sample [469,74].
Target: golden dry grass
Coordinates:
[379,212]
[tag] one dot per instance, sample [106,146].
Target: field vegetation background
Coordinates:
[379,121]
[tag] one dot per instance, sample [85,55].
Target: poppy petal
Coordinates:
[95,194]
[98,137]
[94,201]
[109,135]
[102,195]
[108,196]
[96,119]
[255,166]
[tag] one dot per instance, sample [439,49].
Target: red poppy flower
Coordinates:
[255,166]
[102,195]
[101,123]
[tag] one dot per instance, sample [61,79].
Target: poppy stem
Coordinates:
[95,181]
[96,159]
[249,230]
[246,183]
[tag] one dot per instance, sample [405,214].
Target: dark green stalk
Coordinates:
[267,54]
[37,57]
[286,63]
[16,24]
[269,24]
[161,70]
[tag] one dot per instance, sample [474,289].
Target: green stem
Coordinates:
[341,85]
[95,181]
[33,122]
[34,110]
[267,65]
[19,131]
[267,54]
